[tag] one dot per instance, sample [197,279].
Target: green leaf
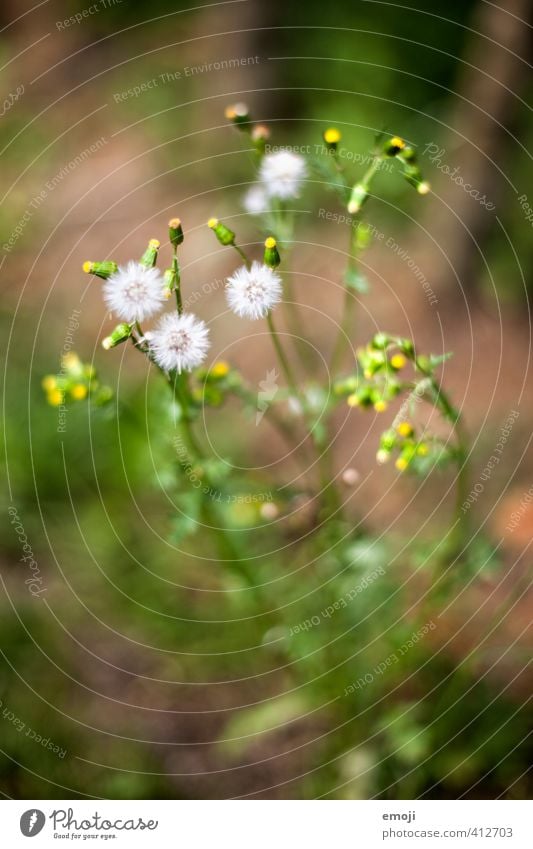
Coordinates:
[441,358]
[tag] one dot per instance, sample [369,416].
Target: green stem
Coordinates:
[347,320]
[346,327]
[453,416]
[326,475]
[179,386]
[294,323]
[283,360]
[226,547]
[177,277]
[242,255]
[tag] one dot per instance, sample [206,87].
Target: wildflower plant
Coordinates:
[177,344]
[148,304]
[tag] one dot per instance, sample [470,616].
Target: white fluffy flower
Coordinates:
[134,292]
[179,342]
[255,200]
[251,293]
[282,174]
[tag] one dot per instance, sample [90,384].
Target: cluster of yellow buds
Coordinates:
[393,147]
[409,448]
[75,382]
[380,362]
[396,146]
[213,384]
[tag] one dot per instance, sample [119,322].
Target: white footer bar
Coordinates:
[267,824]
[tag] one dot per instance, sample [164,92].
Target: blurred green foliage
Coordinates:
[429,724]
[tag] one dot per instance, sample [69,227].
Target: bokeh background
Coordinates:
[143,670]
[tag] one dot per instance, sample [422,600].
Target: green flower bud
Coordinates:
[372,361]
[346,386]
[408,154]
[393,146]
[260,135]
[414,177]
[224,235]
[407,347]
[170,280]
[149,257]
[120,334]
[360,398]
[388,440]
[239,115]
[331,137]
[271,256]
[380,341]
[357,198]
[175,232]
[392,389]
[100,269]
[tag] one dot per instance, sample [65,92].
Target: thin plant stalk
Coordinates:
[348,311]
[324,465]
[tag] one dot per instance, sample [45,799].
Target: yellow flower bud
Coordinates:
[401,464]
[352,400]
[55,398]
[398,361]
[49,383]
[405,429]
[100,269]
[332,136]
[380,406]
[175,232]
[79,391]
[396,141]
[271,255]
[71,362]
[220,369]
